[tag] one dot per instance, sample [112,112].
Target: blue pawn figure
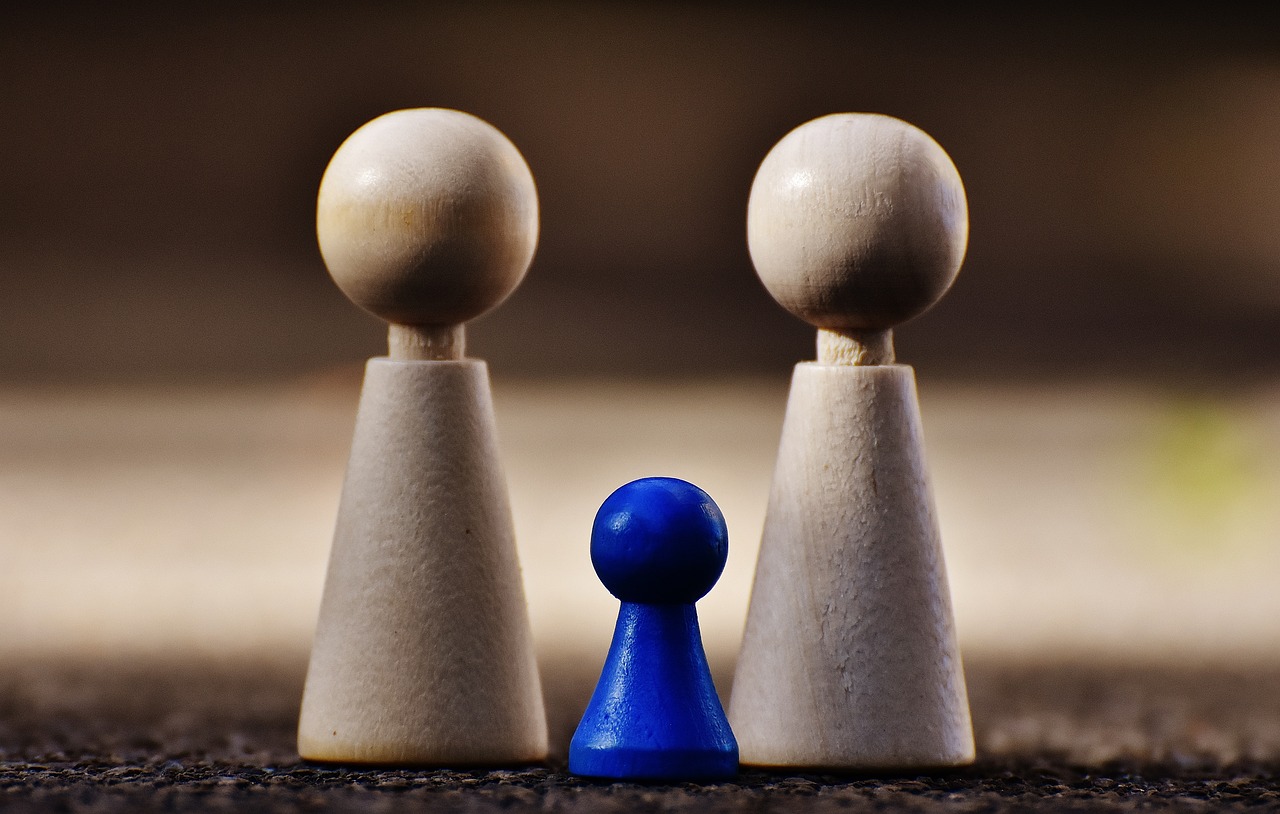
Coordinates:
[658,544]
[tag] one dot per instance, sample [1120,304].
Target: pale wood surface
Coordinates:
[855,348]
[424,343]
[423,652]
[427,217]
[857,221]
[850,658]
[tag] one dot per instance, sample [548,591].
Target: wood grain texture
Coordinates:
[426,343]
[855,348]
[423,653]
[849,658]
[857,221]
[427,217]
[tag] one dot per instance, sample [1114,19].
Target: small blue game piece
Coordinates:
[658,544]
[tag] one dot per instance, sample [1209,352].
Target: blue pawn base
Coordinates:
[675,765]
[655,714]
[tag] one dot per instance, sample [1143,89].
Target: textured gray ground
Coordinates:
[216,734]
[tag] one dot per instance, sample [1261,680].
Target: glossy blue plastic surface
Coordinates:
[655,714]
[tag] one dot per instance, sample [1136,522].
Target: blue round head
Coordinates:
[659,541]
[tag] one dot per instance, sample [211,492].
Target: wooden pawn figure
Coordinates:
[849,660]
[658,545]
[423,653]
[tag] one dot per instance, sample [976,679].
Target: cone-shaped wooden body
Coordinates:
[423,653]
[849,660]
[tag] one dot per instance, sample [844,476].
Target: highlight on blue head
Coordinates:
[659,541]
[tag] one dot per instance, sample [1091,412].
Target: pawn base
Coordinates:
[673,765]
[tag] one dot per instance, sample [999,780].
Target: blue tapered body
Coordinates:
[657,544]
[655,714]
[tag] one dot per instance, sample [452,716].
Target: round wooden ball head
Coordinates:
[857,222]
[427,218]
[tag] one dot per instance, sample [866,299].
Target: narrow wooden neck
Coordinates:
[855,347]
[426,342]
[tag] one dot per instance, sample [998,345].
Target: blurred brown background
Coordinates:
[178,375]
[160,165]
